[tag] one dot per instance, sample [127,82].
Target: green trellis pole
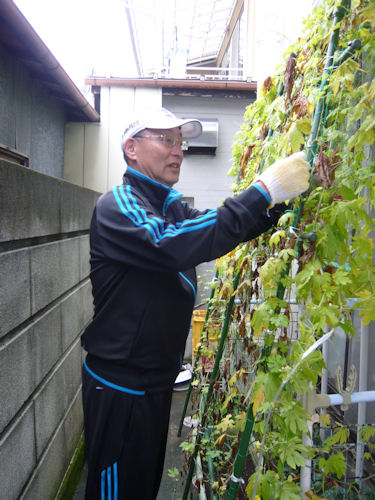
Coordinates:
[213,377]
[240,460]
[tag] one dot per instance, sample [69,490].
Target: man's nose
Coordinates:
[177,150]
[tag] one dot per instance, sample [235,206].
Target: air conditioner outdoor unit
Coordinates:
[207,142]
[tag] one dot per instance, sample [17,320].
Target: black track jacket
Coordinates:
[145,244]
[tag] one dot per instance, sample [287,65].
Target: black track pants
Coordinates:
[125,440]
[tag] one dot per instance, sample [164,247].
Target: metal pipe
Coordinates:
[135,45]
[324,383]
[356,397]
[362,386]
[305,481]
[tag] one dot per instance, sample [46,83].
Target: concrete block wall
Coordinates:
[45,303]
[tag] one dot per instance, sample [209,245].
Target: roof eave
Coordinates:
[35,47]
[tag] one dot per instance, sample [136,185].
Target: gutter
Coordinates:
[38,49]
[171,83]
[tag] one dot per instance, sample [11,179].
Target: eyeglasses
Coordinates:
[168,140]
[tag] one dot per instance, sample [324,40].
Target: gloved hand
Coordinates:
[286,178]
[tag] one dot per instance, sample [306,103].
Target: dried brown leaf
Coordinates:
[267,84]
[299,107]
[289,76]
[324,170]
[245,158]
[264,132]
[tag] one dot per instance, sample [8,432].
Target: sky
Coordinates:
[86,36]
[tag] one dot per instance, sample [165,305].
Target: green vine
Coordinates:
[295,282]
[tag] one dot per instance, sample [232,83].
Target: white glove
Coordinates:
[286,178]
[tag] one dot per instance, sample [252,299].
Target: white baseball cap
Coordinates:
[161,119]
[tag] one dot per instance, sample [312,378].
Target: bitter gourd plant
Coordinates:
[295,281]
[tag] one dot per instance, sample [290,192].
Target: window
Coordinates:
[13,156]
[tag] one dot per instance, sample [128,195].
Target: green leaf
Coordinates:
[304,125]
[334,464]
[289,491]
[173,473]
[275,238]
[296,419]
[296,138]
[367,433]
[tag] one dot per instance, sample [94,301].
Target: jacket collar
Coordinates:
[158,194]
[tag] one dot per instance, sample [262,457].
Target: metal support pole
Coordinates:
[306,470]
[363,369]
[324,385]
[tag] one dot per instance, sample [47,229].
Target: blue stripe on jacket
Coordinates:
[130,208]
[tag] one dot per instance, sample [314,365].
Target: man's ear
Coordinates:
[129,148]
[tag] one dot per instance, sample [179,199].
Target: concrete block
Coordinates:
[77,206]
[33,204]
[48,475]
[88,303]
[53,464]
[84,254]
[76,311]
[54,398]
[54,270]
[15,301]
[45,343]
[17,376]
[17,456]
[29,203]
[73,424]
[26,359]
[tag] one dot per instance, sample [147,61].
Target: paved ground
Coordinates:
[171,488]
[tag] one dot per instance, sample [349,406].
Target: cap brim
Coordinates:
[189,128]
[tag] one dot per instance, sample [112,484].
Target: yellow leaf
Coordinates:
[225,404]
[257,399]
[220,440]
[324,419]
[226,291]
[311,495]
[226,423]
[275,238]
[235,377]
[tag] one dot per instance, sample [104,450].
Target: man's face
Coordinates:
[153,157]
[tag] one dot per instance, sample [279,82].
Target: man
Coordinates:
[145,245]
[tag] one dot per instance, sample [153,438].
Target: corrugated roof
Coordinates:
[165,30]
